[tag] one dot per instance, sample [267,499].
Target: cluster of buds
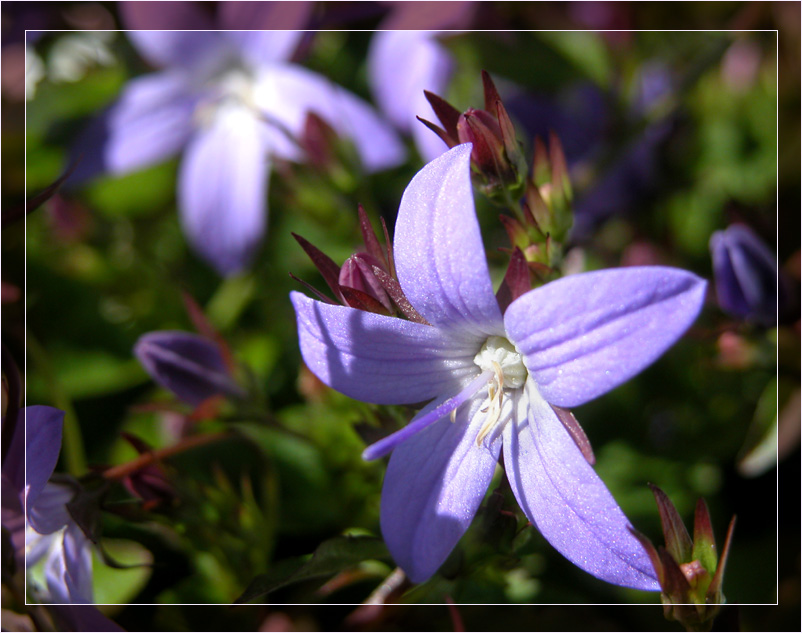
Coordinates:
[690,572]
[367,280]
[498,162]
[541,199]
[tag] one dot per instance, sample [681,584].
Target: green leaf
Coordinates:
[120,586]
[331,557]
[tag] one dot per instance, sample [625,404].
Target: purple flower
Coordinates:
[401,65]
[232,102]
[493,381]
[190,366]
[746,275]
[47,527]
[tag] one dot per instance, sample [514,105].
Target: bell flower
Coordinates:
[35,508]
[232,102]
[493,381]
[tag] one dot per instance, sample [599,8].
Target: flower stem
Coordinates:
[194,441]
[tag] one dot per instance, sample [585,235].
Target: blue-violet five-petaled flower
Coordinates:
[492,381]
[232,101]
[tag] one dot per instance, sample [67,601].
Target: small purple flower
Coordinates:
[189,365]
[493,381]
[746,275]
[48,528]
[232,102]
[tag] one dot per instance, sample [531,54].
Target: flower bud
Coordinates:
[689,570]
[190,366]
[358,274]
[746,275]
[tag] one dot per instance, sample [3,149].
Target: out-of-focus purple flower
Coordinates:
[190,366]
[45,529]
[232,102]
[401,65]
[746,275]
[502,381]
[404,61]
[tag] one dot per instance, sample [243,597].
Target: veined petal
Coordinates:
[43,426]
[439,253]
[434,484]
[380,359]
[563,496]
[287,93]
[585,334]
[223,188]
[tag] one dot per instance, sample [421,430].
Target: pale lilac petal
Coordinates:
[585,334]
[43,426]
[433,412]
[69,569]
[401,65]
[380,359]
[434,484]
[439,253]
[563,496]
[151,121]
[287,93]
[265,47]
[195,51]
[223,188]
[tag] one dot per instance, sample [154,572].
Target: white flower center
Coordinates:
[231,90]
[499,355]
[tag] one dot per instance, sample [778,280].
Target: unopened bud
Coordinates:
[190,366]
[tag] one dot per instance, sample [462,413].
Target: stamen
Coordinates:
[449,406]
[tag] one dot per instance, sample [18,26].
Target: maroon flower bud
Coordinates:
[357,273]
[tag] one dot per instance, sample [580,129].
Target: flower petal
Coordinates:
[151,121]
[434,484]
[287,93]
[43,426]
[223,188]
[401,65]
[195,51]
[380,359]
[563,496]
[49,513]
[585,334]
[265,47]
[69,569]
[439,253]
